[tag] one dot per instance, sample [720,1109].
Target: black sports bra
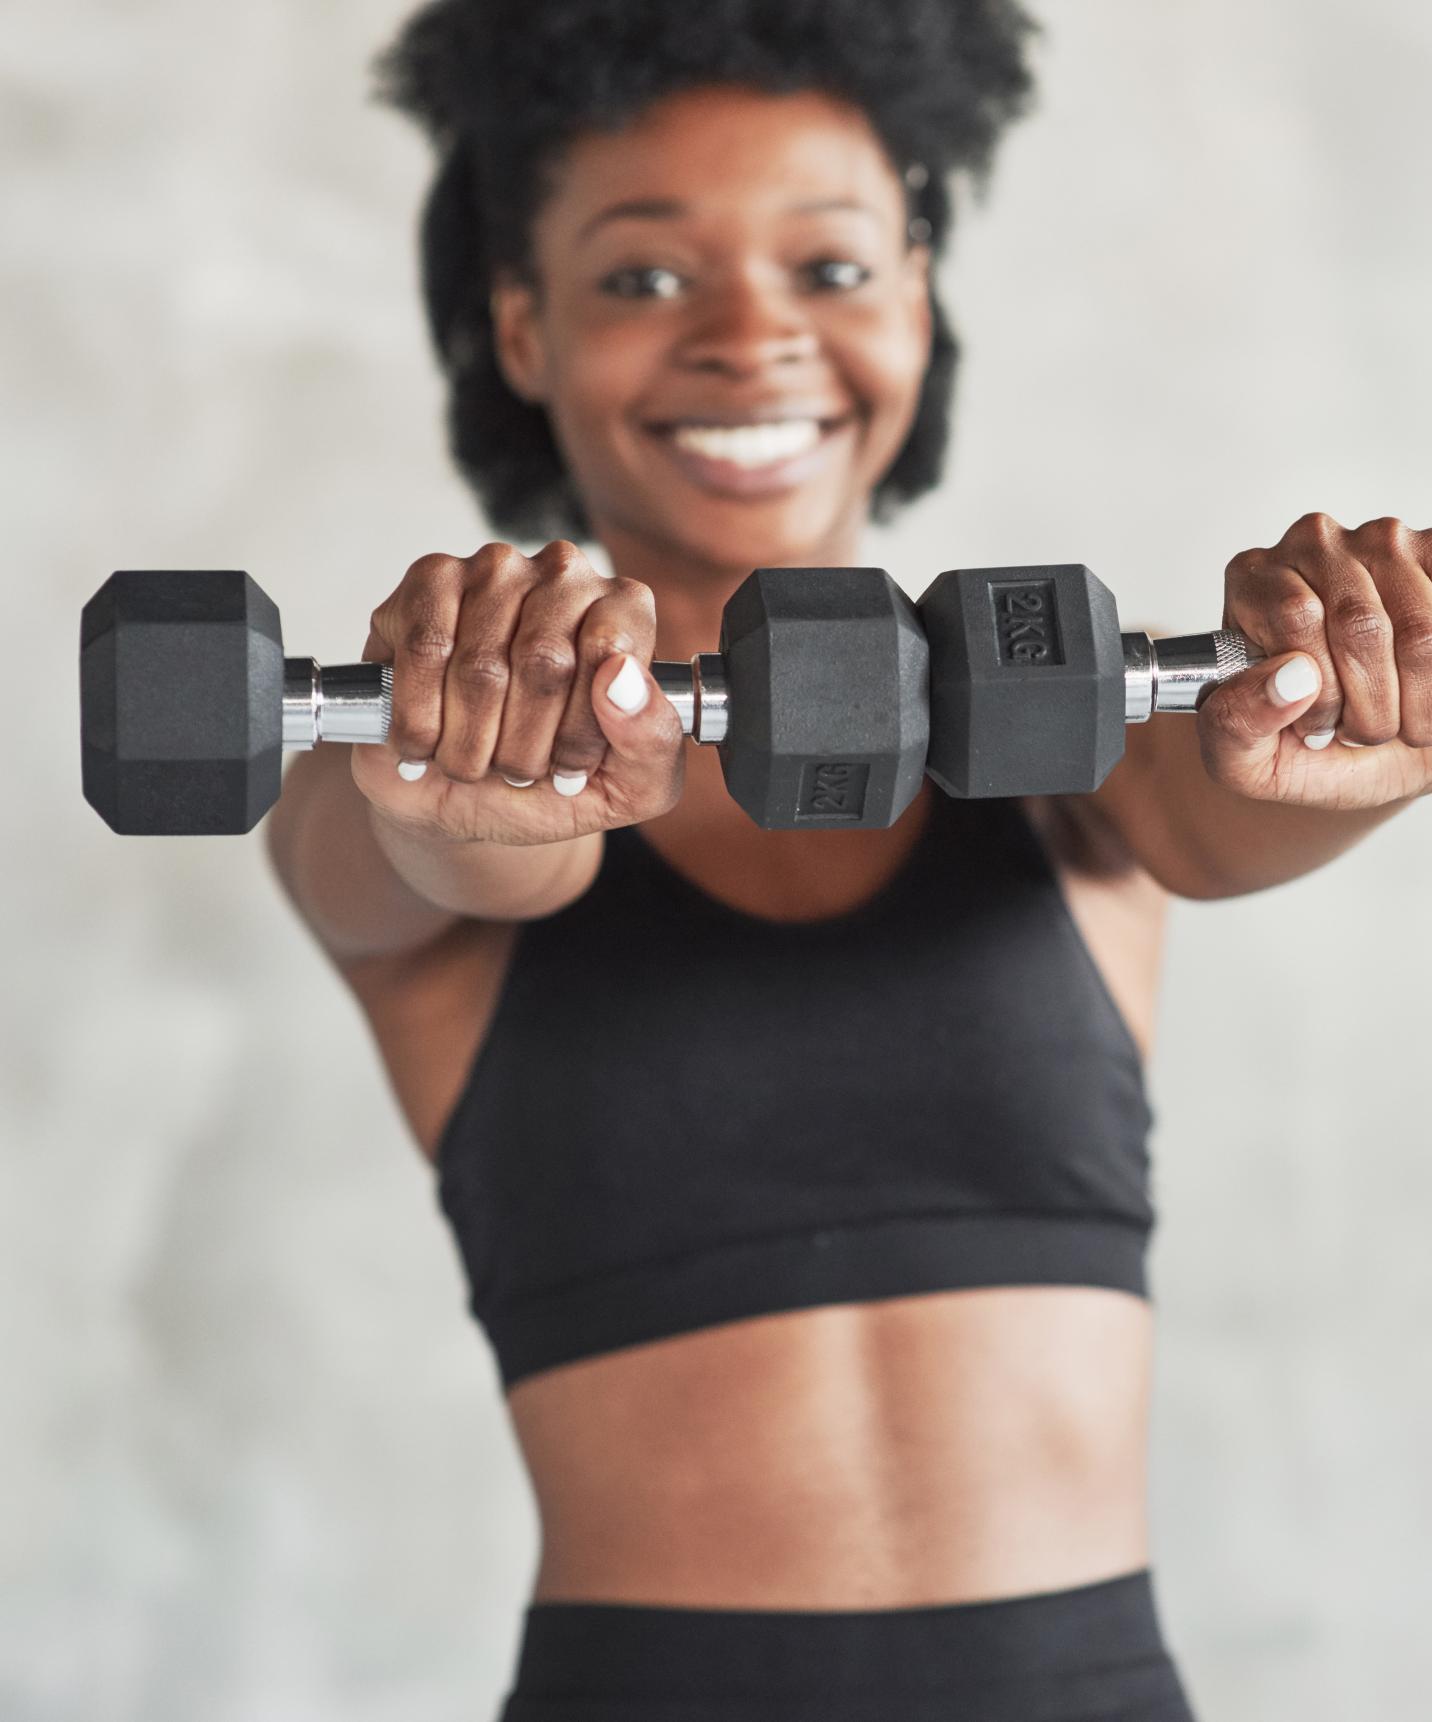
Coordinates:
[683,1114]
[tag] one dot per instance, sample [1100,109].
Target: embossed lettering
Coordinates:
[832,789]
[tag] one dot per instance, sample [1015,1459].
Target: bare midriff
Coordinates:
[944,1447]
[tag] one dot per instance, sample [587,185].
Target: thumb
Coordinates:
[1241,721]
[643,731]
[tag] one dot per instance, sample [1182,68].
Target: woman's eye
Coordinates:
[642,283]
[838,272]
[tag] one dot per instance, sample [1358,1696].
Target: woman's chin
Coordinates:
[788,531]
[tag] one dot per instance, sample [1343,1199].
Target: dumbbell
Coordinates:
[822,698]
[1032,683]
[816,700]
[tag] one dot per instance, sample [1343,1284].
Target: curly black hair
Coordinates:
[501,86]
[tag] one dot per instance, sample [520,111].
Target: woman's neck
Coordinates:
[691,591]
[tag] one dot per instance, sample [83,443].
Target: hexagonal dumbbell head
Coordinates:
[181,702]
[1026,680]
[827,672]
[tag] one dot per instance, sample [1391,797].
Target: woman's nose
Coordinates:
[747,330]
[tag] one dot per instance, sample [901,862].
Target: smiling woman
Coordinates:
[759,331]
[503,89]
[825,1337]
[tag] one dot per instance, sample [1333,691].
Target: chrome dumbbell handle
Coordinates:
[354,702]
[1170,675]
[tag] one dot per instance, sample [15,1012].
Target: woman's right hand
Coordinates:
[501,669]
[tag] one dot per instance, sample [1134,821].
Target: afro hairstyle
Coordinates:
[500,87]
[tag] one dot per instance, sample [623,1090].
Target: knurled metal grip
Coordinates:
[354,702]
[1172,675]
[346,702]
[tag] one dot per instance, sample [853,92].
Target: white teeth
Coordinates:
[750,445]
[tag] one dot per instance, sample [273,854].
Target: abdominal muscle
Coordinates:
[943,1447]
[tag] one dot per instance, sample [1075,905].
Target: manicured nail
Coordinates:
[412,769]
[628,689]
[569,782]
[1295,681]
[519,782]
[1319,738]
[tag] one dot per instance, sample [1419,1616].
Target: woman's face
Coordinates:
[730,327]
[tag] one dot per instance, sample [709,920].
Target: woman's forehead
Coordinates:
[705,149]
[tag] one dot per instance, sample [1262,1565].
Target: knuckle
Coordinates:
[1385,535]
[1317,528]
[563,557]
[483,668]
[604,641]
[1246,564]
[435,565]
[1357,620]
[428,640]
[1298,615]
[635,592]
[544,665]
[1414,641]
[495,558]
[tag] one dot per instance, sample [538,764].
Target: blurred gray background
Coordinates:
[253,1459]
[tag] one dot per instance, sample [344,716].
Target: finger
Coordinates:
[1360,636]
[415,627]
[545,666]
[1241,722]
[1280,612]
[475,687]
[1400,562]
[644,768]
[623,619]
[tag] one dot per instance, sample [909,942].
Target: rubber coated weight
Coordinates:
[210,760]
[828,675]
[1026,680]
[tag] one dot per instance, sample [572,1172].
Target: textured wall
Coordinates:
[254,1460]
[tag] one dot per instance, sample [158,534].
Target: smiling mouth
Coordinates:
[757,446]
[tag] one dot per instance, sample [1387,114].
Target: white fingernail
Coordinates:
[628,689]
[519,782]
[412,769]
[1319,738]
[569,783]
[1296,680]
[1347,742]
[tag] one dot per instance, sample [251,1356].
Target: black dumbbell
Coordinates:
[816,698]
[1032,683]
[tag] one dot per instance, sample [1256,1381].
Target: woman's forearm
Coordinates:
[1200,839]
[368,887]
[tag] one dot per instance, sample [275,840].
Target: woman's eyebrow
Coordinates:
[666,209]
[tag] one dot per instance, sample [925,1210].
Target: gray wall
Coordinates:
[254,1459]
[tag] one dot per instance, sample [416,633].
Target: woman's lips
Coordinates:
[730,478]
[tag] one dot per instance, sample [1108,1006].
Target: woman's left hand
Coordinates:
[1355,607]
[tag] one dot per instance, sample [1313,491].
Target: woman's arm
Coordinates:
[1200,839]
[1297,758]
[368,888]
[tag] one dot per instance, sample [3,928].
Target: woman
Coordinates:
[800,1176]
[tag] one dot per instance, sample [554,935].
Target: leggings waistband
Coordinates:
[1088,1652]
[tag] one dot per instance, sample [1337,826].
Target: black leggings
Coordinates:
[1091,1654]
